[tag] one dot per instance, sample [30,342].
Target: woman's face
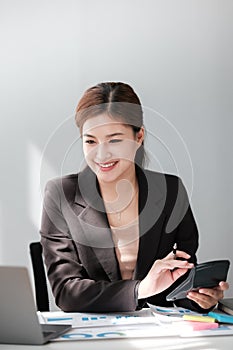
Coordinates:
[109,147]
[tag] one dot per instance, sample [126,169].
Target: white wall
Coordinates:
[178,56]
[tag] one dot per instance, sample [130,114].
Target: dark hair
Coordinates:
[119,101]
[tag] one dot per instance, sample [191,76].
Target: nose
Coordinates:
[102,153]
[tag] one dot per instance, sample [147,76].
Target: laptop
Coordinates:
[19,320]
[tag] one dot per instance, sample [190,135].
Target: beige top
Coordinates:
[126,240]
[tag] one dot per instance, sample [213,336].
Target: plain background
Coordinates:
[177,55]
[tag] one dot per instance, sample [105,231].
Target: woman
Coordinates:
[108,231]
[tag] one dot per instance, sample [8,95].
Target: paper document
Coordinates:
[152,322]
[83,320]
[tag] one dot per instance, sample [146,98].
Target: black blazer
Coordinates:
[79,254]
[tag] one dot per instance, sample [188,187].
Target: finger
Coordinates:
[172,264]
[179,254]
[202,300]
[182,254]
[212,292]
[178,273]
[223,285]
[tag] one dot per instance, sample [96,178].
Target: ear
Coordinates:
[140,136]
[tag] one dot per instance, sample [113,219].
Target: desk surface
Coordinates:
[171,343]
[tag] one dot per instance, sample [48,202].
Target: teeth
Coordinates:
[107,165]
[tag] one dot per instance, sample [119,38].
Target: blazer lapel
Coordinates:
[152,190]
[94,222]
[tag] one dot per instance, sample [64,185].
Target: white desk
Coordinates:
[170,343]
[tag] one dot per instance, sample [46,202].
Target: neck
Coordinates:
[125,184]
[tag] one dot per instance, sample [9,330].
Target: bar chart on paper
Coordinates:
[105,326]
[83,320]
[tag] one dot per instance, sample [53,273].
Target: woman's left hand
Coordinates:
[208,297]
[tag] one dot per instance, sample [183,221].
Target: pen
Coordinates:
[174,250]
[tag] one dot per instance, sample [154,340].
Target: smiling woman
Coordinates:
[111,148]
[119,102]
[108,231]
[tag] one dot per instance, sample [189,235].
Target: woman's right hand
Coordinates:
[163,274]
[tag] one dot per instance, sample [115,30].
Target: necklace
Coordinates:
[123,206]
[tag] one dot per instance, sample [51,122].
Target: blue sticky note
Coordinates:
[221,317]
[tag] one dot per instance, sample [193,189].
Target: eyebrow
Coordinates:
[108,136]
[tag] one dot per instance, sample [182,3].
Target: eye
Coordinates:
[115,141]
[90,142]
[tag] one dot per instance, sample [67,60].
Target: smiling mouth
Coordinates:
[107,166]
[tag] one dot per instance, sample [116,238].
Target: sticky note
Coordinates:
[221,317]
[200,326]
[198,318]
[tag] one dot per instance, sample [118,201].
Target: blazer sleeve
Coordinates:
[182,222]
[188,238]
[73,290]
